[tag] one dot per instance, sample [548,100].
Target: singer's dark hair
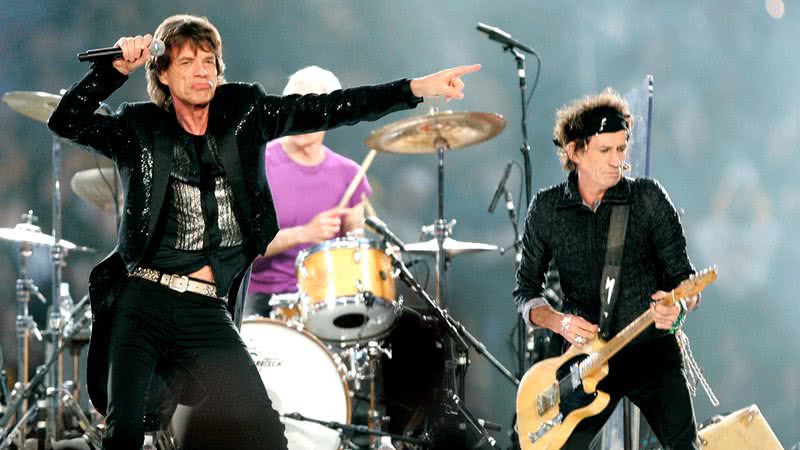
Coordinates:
[571,118]
[174,32]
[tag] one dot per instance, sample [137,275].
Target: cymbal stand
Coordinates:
[54,324]
[24,323]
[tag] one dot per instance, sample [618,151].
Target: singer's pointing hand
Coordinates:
[445,83]
[135,51]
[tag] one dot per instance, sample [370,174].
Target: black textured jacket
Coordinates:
[139,138]
[560,227]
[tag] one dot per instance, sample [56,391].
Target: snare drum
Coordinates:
[301,376]
[347,290]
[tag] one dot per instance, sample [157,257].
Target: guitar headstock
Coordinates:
[695,283]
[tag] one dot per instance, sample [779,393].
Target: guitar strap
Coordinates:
[610,282]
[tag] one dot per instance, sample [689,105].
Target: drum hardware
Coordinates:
[346,431]
[45,407]
[361,360]
[39,106]
[462,339]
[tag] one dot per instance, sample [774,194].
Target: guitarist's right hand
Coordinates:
[576,330]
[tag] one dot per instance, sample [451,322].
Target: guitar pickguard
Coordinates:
[571,393]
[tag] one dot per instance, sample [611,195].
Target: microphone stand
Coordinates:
[527,172]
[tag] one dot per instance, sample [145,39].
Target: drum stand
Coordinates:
[362,362]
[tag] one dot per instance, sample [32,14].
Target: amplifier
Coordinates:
[745,429]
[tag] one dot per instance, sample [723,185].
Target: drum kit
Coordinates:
[318,350]
[342,328]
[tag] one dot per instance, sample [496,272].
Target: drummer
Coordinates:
[307,180]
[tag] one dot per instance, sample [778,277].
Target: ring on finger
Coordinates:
[579,340]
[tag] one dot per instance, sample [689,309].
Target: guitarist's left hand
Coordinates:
[665,315]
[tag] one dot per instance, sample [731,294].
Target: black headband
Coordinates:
[596,121]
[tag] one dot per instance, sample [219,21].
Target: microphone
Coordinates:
[379,227]
[498,35]
[157,48]
[500,187]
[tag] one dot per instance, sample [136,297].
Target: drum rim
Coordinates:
[337,363]
[337,243]
[394,306]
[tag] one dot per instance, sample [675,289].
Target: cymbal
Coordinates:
[452,247]
[417,135]
[35,105]
[96,186]
[31,234]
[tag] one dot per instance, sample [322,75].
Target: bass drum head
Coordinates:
[301,376]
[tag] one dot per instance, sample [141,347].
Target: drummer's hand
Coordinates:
[445,83]
[135,52]
[323,226]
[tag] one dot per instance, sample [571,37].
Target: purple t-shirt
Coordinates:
[300,193]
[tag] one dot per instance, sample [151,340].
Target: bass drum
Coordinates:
[301,376]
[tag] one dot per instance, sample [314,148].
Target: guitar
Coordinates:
[557,393]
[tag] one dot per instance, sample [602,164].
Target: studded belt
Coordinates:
[178,283]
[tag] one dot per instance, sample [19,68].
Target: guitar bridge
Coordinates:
[546,426]
[547,399]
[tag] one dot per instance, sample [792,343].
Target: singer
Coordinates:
[197,211]
[569,224]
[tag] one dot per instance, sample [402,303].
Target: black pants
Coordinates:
[649,374]
[154,327]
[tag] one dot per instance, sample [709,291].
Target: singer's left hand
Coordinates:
[445,83]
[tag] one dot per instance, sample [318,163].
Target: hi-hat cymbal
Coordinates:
[97,187]
[36,105]
[417,135]
[31,234]
[452,247]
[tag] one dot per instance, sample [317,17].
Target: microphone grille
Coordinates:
[157,47]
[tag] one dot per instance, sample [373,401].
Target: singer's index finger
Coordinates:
[463,70]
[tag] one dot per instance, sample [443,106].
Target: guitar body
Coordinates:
[557,393]
[550,406]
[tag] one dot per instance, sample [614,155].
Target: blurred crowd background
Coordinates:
[725,126]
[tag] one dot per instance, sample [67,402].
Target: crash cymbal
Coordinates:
[451,246]
[97,187]
[36,105]
[31,234]
[417,135]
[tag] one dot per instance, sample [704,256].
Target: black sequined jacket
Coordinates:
[139,138]
[561,227]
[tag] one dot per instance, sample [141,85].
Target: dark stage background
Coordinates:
[724,135]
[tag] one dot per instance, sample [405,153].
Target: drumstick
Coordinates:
[357,179]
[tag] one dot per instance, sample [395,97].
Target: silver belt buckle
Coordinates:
[179,283]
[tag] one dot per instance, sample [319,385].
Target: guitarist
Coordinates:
[569,224]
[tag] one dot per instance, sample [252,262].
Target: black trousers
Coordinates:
[650,375]
[154,328]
